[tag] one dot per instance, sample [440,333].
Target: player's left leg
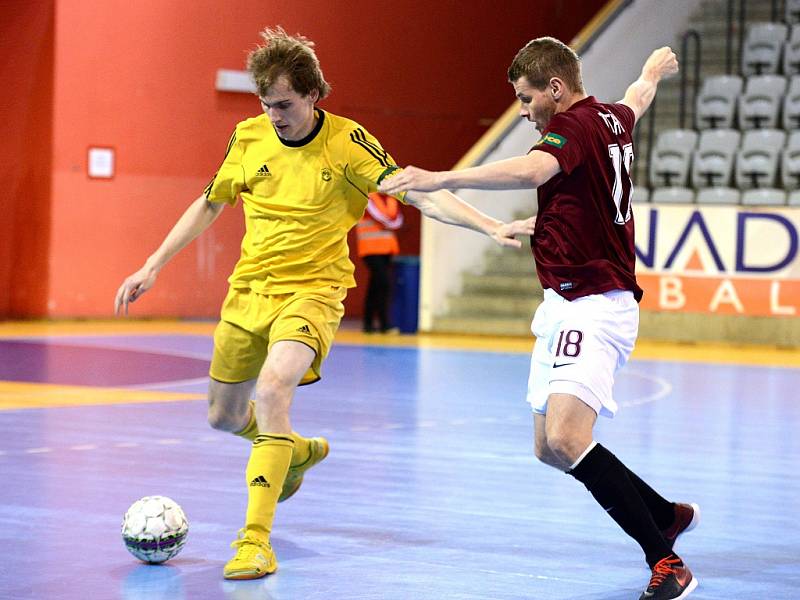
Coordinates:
[568,424]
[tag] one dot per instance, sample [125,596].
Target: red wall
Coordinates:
[26,80]
[426,78]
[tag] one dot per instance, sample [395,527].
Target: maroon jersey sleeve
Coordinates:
[562,140]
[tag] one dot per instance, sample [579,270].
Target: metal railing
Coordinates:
[693,35]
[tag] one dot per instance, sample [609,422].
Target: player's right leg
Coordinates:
[270,457]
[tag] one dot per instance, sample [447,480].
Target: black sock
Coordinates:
[607,480]
[662,510]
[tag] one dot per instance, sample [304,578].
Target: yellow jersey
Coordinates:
[300,198]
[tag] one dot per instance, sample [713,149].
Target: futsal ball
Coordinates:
[154,529]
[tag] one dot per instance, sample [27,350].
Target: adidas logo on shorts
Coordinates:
[304,329]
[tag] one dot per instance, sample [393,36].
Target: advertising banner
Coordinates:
[719,259]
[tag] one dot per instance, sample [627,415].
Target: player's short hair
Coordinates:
[284,54]
[547,57]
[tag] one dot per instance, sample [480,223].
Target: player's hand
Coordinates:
[133,287]
[505,234]
[411,179]
[661,63]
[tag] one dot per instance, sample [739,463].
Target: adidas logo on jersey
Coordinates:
[260,481]
[304,329]
[263,171]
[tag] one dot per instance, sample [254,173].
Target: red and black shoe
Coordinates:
[671,580]
[687,517]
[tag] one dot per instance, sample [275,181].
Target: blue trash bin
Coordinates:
[405,293]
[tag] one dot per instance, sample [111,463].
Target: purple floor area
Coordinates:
[430,492]
[64,364]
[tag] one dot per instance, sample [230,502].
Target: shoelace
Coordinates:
[250,545]
[662,569]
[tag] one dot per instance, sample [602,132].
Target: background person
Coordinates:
[376,245]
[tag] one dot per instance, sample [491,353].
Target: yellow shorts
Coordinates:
[251,322]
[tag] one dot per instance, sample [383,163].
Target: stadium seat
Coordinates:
[792,11]
[669,161]
[641,194]
[718,195]
[757,160]
[761,101]
[794,198]
[761,52]
[716,102]
[791,52]
[712,162]
[790,162]
[791,105]
[673,195]
[764,197]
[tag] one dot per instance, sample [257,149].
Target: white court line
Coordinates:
[664,390]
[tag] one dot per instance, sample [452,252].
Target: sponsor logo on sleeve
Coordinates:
[553,139]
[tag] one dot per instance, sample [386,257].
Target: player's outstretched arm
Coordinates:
[448,208]
[518,173]
[660,64]
[194,221]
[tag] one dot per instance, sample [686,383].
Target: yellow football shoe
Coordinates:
[317,451]
[254,558]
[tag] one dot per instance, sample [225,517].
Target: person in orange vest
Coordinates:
[377,243]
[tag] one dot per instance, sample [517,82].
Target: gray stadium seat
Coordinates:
[712,162]
[764,197]
[718,195]
[669,161]
[791,104]
[716,102]
[757,160]
[794,198]
[791,52]
[761,101]
[641,194]
[790,162]
[761,52]
[792,14]
[673,195]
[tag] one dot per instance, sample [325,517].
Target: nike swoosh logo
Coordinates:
[556,365]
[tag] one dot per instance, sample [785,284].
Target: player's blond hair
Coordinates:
[284,54]
[546,57]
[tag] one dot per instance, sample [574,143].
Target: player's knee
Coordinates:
[221,419]
[224,416]
[563,444]
[541,451]
[272,388]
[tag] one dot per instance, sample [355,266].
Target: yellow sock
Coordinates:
[301,452]
[266,472]
[250,430]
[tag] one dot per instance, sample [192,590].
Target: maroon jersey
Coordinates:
[583,239]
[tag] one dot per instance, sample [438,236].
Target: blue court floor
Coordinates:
[430,492]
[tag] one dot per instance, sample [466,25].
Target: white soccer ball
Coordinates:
[154,529]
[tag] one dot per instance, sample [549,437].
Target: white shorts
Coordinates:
[580,346]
